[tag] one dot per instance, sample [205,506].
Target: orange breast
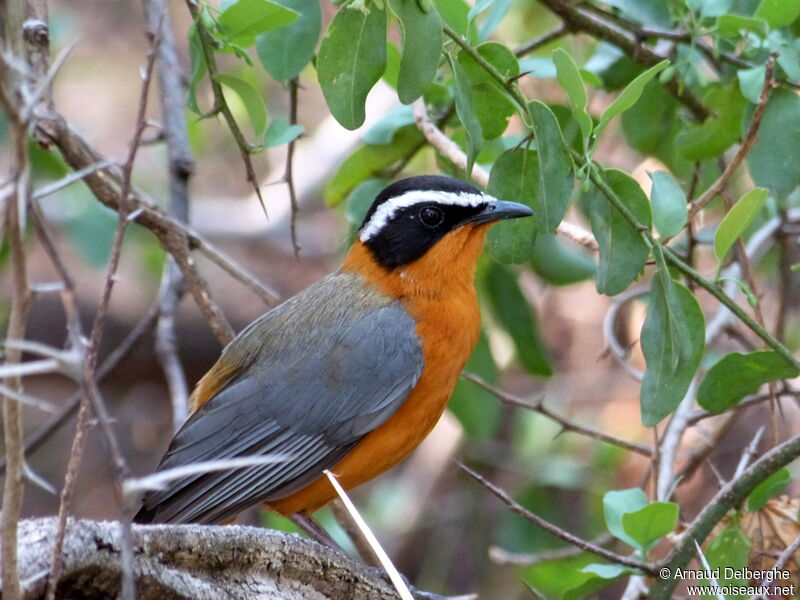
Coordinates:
[438,291]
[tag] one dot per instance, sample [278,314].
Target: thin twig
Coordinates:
[568,425]
[541,40]
[181,167]
[288,175]
[501,556]
[11,86]
[557,531]
[43,433]
[177,238]
[220,104]
[747,143]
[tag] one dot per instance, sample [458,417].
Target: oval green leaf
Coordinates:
[570,79]
[737,220]
[556,169]
[673,341]
[737,375]
[466,113]
[649,524]
[629,96]
[669,204]
[623,252]
[243,20]
[351,59]
[558,263]
[774,160]
[285,51]
[422,48]
[771,486]
[618,502]
[252,100]
[514,177]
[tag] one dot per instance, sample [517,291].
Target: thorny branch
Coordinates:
[220,104]
[15,197]
[568,425]
[557,531]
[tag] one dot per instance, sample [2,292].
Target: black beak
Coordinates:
[498,210]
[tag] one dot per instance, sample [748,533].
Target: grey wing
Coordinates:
[310,396]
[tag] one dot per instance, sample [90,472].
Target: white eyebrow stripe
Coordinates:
[387,210]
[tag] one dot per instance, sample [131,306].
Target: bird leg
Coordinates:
[315,531]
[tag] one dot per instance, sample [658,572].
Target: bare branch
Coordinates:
[747,143]
[540,408]
[557,531]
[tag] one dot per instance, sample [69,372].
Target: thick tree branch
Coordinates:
[200,562]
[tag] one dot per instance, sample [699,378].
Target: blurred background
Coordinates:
[435,522]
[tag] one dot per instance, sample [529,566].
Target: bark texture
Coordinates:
[194,561]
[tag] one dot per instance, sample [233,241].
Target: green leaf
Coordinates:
[771,486]
[618,502]
[281,132]
[669,204]
[737,375]
[734,25]
[466,113]
[629,96]
[649,524]
[729,552]
[518,318]
[368,161]
[751,82]
[252,100]
[672,340]
[738,219]
[422,48]
[623,252]
[559,264]
[514,177]
[778,13]
[493,104]
[719,132]
[570,79]
[556,169]
[361,198]
[774,160]
[351,59]
[243,20]
[199,67]
[285,51]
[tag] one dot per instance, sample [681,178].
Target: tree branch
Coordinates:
[730,496]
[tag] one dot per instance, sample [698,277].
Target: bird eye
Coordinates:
[430,216]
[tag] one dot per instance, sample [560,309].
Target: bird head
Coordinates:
[411,216]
